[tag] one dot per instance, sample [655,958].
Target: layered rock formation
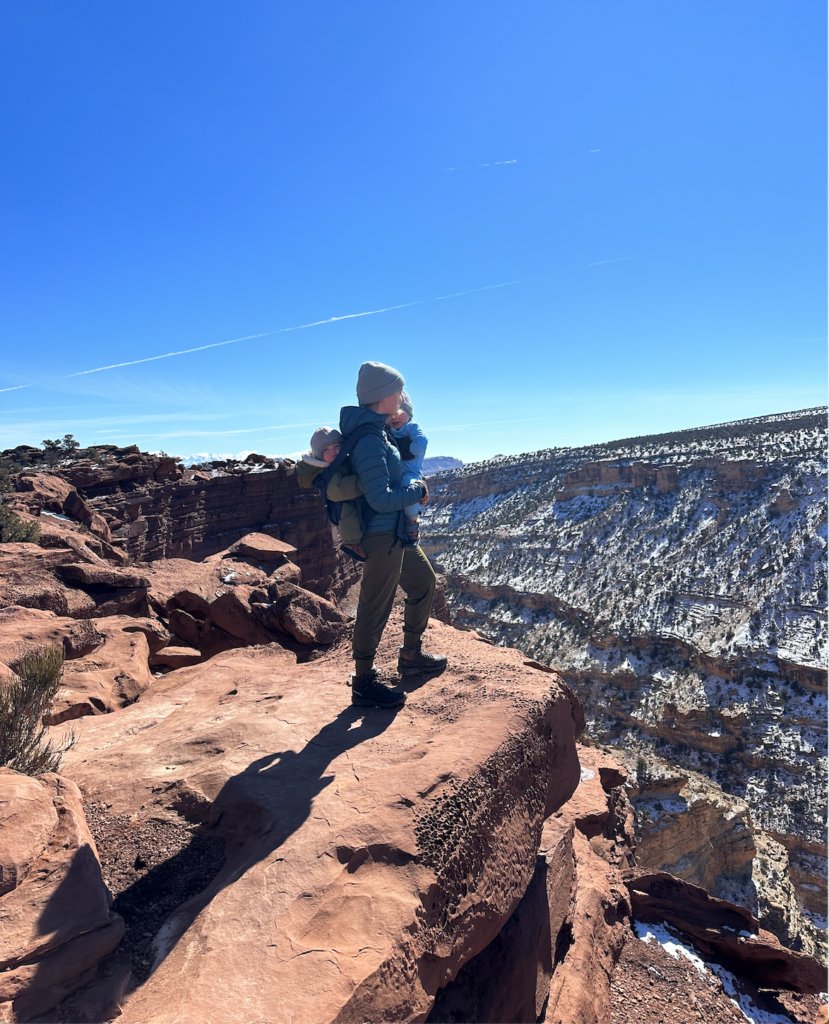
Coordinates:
[678,582]
[149,507]
[274,853]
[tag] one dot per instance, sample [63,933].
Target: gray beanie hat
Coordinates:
[322,438]
[377,381]
[406,405]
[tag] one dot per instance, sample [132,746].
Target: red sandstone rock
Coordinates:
[263,548]
[95,575]
[121,601]
[176,657]
[55,925]
[310,619]
[289,573]
[50,489]
[107,662]
[27,579]
[724,932]
[356,879]
[28,630]
[83,639]
[598,823]
[181,583]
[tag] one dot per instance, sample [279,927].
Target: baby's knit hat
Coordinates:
[406,405]
[322,438]
[377,381]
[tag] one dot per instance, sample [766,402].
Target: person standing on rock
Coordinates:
[376,461]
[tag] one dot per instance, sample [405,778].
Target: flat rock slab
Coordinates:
[370,854]
[264,548]
[96,575]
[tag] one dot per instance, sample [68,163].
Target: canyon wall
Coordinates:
[149,507]
[679,584]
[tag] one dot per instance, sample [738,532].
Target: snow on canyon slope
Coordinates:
[679,583]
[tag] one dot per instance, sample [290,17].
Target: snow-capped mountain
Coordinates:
[199,457]
[439,464]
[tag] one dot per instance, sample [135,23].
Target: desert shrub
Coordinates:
[24,701]
[13,528]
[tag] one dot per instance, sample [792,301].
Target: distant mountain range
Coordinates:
[438,463]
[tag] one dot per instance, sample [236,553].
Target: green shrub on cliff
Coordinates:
[13,528]
[24,700]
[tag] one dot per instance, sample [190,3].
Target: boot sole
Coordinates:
[405,669]
[366,702]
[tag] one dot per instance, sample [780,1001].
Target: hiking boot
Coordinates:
[368,692]
[416,661]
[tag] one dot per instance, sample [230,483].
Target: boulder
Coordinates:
[176,657]
[263,548]
[52,490]
[288,573]
[310,619]
[55,922]
[232,613]
[370,855]
[182,583]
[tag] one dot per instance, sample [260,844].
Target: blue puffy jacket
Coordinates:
[377,463]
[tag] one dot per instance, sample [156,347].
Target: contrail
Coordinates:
[601,263]
[319,323]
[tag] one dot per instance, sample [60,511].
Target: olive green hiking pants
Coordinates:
[388,564]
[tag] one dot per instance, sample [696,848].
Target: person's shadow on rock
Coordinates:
[256,812]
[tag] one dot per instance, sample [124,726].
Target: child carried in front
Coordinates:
[412,442]
[343,486]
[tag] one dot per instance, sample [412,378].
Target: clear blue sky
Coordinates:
[176,175]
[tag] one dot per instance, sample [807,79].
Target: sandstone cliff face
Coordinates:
[679,584]
[149,508]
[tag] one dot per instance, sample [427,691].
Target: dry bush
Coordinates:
[23,703]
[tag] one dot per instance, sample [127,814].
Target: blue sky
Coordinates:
[650,174]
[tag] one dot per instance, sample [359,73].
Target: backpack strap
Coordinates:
[323,478]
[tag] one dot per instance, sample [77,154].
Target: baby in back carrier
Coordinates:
[343,486]
[412,443]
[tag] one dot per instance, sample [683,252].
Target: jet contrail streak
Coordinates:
[168,355]
[319,323]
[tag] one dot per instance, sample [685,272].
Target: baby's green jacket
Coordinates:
[343,486]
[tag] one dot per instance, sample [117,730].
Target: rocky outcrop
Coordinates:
[724,932]
[151,508]
[55,921]
[370,855]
